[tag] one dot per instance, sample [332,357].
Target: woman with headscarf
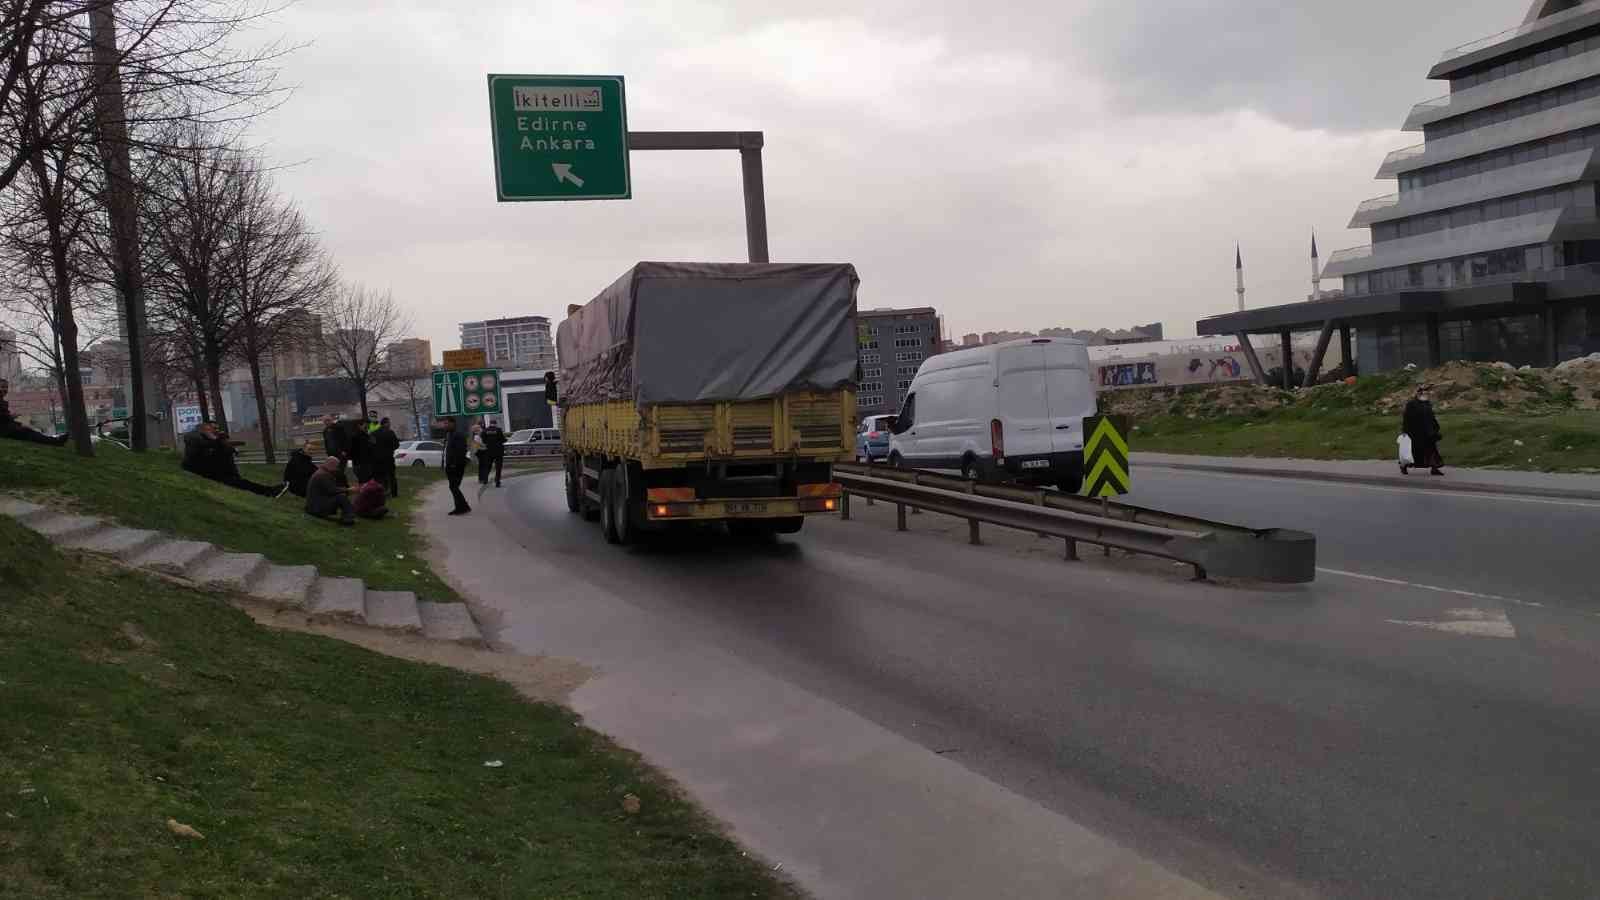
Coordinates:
[1422,426]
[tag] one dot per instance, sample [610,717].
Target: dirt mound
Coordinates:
[1456,387]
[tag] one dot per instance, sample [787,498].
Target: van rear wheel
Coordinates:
[1072,482]
[969,469]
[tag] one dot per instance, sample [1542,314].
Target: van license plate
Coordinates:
[1036,464]
[746,508]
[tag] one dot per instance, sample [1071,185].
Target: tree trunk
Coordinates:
[66,322]
[123,213]
[200,393]
[265,426]
[214,381]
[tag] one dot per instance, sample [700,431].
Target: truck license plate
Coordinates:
[1036,464]
[746,508]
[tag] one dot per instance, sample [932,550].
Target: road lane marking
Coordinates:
[1426,587]
[1471,622]
[1410,492]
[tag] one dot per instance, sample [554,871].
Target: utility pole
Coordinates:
[121,208]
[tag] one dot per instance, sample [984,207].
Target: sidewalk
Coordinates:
[1379,472]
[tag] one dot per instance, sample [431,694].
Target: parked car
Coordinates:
[1005,412]
[872,438]
[534,442]
[420,453]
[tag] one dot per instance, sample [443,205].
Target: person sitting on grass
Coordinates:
[207,454]
[370,501]
[299,469]
[15,430]
[324,496]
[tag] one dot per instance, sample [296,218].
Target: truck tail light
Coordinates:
[997,439]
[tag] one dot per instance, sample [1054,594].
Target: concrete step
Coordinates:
[449,622]
[173,557]
[285,585]
[21,510]
[59,527]
[234,571]
[393,609]
[122,543]
[339,598]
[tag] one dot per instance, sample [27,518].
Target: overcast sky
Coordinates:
[1017,165]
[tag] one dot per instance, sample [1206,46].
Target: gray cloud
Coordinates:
[1019,166]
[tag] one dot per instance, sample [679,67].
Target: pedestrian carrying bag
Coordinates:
[1404,441]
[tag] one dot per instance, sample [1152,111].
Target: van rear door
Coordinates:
[1024,405]
[1070,393]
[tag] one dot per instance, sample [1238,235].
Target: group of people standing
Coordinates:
[488,442]
[367,447]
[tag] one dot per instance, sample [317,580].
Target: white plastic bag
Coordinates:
[1404,441]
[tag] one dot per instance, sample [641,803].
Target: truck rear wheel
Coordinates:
[608,506]
[574,487]
[623,513]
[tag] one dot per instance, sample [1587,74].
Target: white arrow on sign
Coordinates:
[564,173]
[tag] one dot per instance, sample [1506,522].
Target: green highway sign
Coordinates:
[559,137]
[466,392]
[447,393]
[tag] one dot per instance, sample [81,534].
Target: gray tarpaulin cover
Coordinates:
[700,332]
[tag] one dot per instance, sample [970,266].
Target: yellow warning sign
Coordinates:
[1105,456]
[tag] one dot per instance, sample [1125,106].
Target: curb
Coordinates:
[1429,484]
[201,564]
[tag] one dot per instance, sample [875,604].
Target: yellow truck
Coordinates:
[709,392]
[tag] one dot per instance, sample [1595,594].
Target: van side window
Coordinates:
[908,415]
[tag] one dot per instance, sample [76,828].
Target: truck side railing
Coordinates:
[1212,548]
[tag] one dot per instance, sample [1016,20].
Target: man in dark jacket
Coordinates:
[207,453]
[1422,426]
[15,430]
[299,470]
[384,444]
[334,442]
[360,445]
[324,496]
[455,463]
[493,454]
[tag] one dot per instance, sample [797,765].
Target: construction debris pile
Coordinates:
[1456,387]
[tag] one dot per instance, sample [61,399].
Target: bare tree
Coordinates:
[121,74]
[192,208]
[361,322]
[279,273]
[46,223]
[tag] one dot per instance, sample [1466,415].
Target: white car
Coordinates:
[1005,412]
[420,453]
[534,442]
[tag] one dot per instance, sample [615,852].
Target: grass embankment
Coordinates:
[1492,415]
[311,767]
[149,490]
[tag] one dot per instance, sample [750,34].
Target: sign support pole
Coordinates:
[749,144]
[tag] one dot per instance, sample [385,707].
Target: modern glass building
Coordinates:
[1490,247]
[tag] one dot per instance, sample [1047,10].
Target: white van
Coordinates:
[1005,412]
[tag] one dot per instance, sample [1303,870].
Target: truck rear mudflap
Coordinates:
[681,504]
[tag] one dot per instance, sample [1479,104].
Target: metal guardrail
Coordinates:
[1212,548]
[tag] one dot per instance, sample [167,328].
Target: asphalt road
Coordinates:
[1532,549]
[1346,739]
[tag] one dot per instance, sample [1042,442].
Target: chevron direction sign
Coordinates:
[1105,455]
